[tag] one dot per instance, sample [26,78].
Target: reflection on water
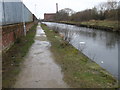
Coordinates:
[100,46]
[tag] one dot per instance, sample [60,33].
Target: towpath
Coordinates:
[39,69]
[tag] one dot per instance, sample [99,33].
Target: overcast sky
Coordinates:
[39,7]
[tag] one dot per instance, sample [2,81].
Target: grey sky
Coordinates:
[49,6]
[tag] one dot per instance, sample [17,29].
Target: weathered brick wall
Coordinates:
[0,39]
[49,16]
[11,32]
[29,25]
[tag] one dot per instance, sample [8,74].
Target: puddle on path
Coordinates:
[39,69]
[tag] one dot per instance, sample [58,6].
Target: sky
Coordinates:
[39,7]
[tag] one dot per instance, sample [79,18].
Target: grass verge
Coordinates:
[12,59]
[104,23]
[79,71]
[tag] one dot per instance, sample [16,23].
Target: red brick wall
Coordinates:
[0,39]
[11,32]
[49,17]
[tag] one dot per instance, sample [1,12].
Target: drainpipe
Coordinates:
[3,13]
[24,26]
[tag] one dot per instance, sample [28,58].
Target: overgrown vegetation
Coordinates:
[13,58]
[79,71]
[103,11]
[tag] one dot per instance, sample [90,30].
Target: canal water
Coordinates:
[100,46]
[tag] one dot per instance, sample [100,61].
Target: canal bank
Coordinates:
[111,26]
[99,45]
[79,71]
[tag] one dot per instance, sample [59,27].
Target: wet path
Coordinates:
[39,69]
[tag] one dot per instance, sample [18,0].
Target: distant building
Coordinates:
[49,16]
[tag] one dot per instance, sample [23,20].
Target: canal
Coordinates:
[100,46]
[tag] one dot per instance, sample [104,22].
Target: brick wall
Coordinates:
[49,16]
[11,32]
[0,39]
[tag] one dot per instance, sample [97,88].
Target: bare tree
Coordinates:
[111,4]
[69,11]
[64,14]
[68,34]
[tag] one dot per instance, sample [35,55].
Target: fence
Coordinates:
[1,10]
[14,12]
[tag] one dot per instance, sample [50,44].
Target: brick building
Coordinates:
[49,16]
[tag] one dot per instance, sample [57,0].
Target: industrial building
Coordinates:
[50,16]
